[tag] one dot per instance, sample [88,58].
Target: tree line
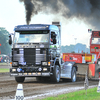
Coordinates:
[5,48]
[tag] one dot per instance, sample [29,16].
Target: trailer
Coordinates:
[89,63]
[36,52]
[77,57]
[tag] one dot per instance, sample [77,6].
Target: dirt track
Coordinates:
[5,66]
[37,89]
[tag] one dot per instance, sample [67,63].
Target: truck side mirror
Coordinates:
[10,40]
[53,35]
[54,41]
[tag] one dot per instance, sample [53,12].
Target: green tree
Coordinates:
[5,48]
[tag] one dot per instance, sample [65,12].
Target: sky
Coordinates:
[73,31]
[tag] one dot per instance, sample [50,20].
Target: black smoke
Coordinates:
[86,10]
[29,7]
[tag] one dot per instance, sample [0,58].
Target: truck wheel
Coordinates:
[73,75]
[56,74]
[20,79]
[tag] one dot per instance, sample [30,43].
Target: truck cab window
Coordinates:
[95,40]
[53,37]
[33,38]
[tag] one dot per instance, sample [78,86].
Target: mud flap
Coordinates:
[82,69]
[94,70]
[91,73]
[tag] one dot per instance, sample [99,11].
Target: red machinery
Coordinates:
[94,69]
[95,45]
[77,57]
[87,62]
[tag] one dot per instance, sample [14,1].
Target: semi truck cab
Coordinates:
[36,52]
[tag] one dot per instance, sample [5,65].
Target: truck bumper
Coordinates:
[30,72]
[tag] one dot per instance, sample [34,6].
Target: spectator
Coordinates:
[1,60]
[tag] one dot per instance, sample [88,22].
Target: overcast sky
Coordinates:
[12,13]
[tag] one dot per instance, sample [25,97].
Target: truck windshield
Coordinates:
[95,41]
[30,38]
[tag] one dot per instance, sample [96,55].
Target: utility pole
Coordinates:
[75,42]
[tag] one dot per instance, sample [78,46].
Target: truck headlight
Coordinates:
[13,70]
[44,63]
[44,69]
[14,64]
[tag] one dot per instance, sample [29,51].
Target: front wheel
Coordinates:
[20,79]
[56,74]
[73,75]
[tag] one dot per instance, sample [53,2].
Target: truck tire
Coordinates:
[73,75]
[56,74]
[20,79]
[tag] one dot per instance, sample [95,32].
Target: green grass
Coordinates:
[78,95]
[4,70]
[3,64]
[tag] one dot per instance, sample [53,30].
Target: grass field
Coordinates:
[78,95]
[3,64]
[4,70]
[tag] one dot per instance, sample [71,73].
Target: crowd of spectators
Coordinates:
[4,58]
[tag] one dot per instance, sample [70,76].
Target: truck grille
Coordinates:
[29,55]
[41,55]
[32,56]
